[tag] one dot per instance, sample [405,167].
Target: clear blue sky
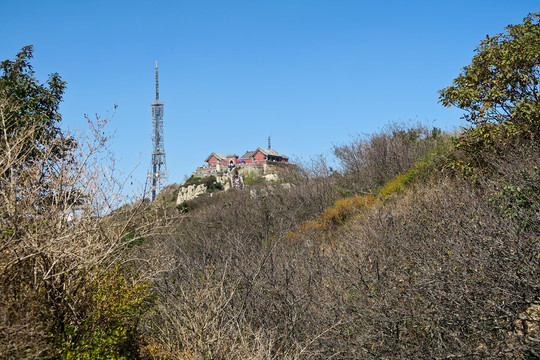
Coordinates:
[309,73]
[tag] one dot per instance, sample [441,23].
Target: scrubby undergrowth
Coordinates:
[433,264]
[423,245]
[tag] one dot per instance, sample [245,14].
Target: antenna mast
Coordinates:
[158,175]
[269,143]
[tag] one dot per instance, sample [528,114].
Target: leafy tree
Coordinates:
[30,109]
[62,295]
[501,86]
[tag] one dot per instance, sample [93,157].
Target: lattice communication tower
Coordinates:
[158,175]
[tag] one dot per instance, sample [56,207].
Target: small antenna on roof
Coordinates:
[269,143]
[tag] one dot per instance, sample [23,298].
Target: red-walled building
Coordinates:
[263,156]
[223,159]
[217,163]
[259,156]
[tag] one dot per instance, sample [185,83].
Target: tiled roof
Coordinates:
[220,157]
[267,152]
[248,155]
[270,152]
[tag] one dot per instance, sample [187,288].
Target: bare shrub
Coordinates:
[200,319]
[230,290]
[443,276]
[370,161]
[61,260]
[448,269]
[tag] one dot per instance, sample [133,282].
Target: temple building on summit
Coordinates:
[259,156]
[257,159]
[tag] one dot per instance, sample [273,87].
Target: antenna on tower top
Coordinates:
[157,83]
[269,143]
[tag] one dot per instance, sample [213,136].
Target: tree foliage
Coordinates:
[62,294]
[502,83]
[32,105]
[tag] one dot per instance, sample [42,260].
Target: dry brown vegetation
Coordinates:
[441,266]
[370,161]
[422,245]
[67,287]
[433,265]
[448,268]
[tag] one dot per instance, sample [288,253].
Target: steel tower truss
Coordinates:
[158,176]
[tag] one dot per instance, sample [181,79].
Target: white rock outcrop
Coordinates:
[225,181]
[189,192]
[192,191]
[271,177]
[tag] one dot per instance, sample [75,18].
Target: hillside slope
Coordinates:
[426,245]
[435,263]
[423,244]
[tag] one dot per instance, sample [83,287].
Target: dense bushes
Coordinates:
[399,255]
[63,293]
[447,269]
[217,300]
[369,162]
[446,276]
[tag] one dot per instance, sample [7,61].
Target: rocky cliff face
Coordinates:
[186,193]
[190,192]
